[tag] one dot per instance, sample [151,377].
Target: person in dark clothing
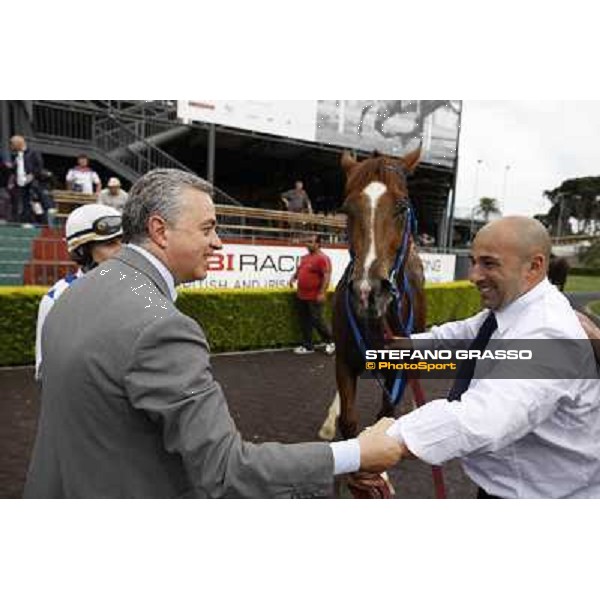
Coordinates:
[313,276]
[558,270]
[296,200]
[24,166]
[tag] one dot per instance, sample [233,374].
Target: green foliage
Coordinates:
[487,206]
[577,198]
[451,302]
[18,318]
[231,319]
[585,271]
[590,257]
[243,319]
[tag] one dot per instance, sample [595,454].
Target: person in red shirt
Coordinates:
[313,276]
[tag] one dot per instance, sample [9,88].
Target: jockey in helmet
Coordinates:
[93,234]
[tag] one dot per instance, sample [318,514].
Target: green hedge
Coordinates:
[18,318]
[232,319]
[586,271]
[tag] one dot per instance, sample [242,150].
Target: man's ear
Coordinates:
[538,264]
[157,231]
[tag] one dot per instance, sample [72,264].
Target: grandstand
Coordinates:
[249,169]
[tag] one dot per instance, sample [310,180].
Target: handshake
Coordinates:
[378,450]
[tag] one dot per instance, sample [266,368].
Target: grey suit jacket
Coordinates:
[130,407]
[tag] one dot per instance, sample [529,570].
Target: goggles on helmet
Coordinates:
[107,225]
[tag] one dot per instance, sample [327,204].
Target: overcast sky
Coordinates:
[542,142]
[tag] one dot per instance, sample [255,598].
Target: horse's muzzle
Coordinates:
[371,299]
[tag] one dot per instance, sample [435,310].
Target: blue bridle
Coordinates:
[410,227]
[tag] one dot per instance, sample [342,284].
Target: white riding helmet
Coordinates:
[92,223]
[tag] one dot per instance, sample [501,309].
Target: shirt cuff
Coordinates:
[433,433]
[346,456]
[394,431]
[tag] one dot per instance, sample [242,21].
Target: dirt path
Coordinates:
[272,396]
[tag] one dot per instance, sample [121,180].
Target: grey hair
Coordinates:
[158,192]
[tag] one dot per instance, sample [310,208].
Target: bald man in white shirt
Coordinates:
[517,438]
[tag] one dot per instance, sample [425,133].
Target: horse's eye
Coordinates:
[400,209]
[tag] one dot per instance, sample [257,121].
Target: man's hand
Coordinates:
[321,297]
[378,451]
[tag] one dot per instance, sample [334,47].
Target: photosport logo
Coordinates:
[501,359]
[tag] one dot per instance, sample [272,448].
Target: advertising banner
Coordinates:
[390,126]
[288,118]
[241,266]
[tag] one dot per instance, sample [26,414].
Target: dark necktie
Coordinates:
[467,366]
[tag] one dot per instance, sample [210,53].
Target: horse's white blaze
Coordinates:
[373,191]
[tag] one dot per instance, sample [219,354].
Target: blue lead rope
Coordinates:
[399,384]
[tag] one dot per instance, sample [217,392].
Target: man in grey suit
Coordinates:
[129,404]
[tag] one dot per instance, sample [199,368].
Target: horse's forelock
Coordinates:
[388,171]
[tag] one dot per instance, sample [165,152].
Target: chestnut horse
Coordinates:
[381,294]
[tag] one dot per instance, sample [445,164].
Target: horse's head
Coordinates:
[377,208]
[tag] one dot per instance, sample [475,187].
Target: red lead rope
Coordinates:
[436,472]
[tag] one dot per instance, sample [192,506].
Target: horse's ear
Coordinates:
[411,160]
[348,161]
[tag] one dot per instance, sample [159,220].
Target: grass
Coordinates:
[582,283]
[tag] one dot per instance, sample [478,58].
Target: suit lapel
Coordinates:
[141,263]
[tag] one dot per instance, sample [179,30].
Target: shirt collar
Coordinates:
[160,266]
[509,315]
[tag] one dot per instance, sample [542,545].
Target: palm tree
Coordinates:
[487,206]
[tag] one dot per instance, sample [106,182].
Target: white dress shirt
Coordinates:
[518,438]
[346,454]
[21,175]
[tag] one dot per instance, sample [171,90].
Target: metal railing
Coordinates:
[244,223]
[63,123]
[119,135]
[142,119]
[117,140]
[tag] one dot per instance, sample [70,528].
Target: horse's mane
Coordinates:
[387,170]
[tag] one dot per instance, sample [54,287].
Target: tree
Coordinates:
[487,206]
[577,199]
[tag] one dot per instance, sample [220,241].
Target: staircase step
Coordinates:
[16,253]
[12,266]
[11,279]
[16,231]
